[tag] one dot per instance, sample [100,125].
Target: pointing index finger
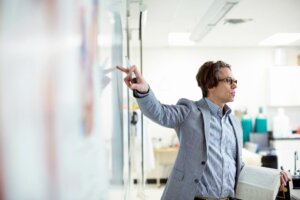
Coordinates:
[123,69]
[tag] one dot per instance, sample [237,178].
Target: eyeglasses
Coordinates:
[229,80]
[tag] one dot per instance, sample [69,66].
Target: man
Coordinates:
[209,161]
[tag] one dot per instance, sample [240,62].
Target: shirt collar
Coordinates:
[216,110]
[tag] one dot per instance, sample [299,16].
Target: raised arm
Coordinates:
[165,115]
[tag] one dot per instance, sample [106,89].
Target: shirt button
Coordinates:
[196,181]
[203,163]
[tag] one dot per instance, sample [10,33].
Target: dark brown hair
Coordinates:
[208,75]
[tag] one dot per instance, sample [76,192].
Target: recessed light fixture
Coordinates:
[281,39]
[216,12]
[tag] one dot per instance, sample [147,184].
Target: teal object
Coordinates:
[247,128]
[261,125]
[261,122]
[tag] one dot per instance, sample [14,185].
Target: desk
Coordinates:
[164,157]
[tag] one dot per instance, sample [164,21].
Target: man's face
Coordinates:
[224,92]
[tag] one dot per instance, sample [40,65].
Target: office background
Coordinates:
[66,127]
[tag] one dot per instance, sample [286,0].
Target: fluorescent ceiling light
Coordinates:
[280,39]
[180,39]
[214,14]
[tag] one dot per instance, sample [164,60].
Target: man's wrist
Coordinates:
[140,92]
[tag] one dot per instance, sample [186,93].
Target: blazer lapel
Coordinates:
[202,106]
[238,144]
[234,126]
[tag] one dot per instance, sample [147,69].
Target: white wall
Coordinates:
[171,74]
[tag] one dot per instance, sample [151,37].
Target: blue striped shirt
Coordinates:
[219,174]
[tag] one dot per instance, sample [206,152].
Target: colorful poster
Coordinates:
[88,14]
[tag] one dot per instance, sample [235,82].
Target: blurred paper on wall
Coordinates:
[44,152]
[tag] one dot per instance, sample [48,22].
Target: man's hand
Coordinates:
[140,85]
[283,180]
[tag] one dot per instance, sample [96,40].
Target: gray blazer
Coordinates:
[191,121]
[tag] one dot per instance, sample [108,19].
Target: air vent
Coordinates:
[236,21]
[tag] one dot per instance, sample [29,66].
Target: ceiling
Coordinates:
[268,17]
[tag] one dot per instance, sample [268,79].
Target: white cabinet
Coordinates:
[283,86]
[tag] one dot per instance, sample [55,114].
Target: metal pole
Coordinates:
[142,121]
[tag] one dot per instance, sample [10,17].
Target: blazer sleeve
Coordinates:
[163,114]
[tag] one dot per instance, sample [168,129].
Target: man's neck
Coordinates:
[221,105]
